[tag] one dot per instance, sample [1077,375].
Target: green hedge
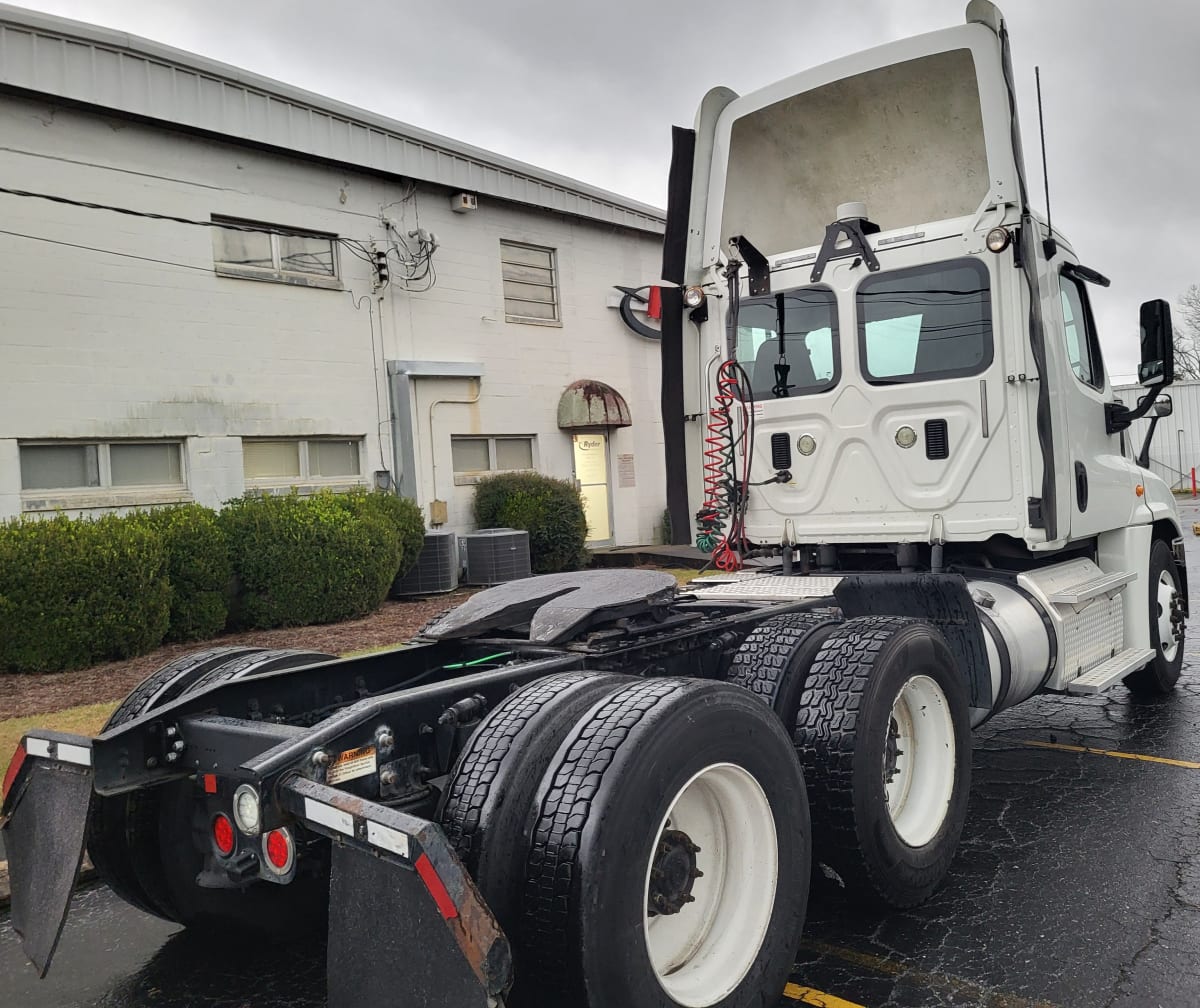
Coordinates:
[75,592]
[319,559]
[198,568]
[550,510]
[399,513]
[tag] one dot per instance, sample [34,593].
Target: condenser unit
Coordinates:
[436,569]
[496,555]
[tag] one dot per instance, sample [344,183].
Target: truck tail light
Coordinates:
[279,850]
[222,834]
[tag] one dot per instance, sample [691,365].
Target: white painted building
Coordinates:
[1175,450]
[145,361]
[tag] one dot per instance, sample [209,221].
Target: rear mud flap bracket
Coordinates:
[406,924]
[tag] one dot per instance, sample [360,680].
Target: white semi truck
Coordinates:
[885,402]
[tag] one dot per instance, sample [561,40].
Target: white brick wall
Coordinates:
[103,346]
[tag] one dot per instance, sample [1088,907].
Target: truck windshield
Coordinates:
[795,329]
[931,321]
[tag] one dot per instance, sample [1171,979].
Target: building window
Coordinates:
[481,456]
[530,284]
[301,460]
[92,465]
[274,253]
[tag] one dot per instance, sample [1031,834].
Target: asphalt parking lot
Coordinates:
[1077,885]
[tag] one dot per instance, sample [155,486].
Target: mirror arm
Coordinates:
[1117,417]
[1143,459]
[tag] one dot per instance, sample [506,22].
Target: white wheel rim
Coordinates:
[1166,632]
[918,779]
[701,953]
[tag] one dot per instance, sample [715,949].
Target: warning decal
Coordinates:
[351,764]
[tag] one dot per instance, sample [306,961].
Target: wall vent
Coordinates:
[781,451]
[495,556]
[937,439]
[436,569]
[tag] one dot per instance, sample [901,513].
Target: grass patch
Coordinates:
[78,720]
[682,574]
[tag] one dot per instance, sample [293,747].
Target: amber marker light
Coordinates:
[1139,490]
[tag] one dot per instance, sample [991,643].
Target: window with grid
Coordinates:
[284,460]
[76,465]
[530,283]
[273,253]
[478,456]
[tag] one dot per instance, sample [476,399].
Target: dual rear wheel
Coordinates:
[648,843]
[880,720]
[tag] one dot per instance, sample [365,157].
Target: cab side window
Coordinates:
[1083,347]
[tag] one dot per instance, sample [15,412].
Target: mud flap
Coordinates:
[45,819]
[407,927]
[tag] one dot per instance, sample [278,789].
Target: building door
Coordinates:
[591,476]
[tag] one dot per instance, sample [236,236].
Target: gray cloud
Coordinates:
[591,91]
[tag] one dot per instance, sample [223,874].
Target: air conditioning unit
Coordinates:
[464,202]
[436,569]
[496,555]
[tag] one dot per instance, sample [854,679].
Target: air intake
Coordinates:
[436,569]
[781,451]
[495,556]
[937,439]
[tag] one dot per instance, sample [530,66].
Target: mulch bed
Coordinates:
[394,623]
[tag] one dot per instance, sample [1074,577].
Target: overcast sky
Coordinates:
[591,90]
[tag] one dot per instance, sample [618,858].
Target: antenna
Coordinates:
[1049,246]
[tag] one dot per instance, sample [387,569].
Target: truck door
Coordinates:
[1096,476]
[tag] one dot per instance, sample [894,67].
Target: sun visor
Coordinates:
[920,131]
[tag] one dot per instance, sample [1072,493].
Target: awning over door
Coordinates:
[589,404]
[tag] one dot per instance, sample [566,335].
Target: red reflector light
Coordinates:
[222,832]
[210,783]
[654,303]
[437,888]
[279,849]
[14,768]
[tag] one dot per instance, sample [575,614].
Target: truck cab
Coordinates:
[920,351]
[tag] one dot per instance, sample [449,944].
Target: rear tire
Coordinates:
[125,838]
[883,733]
[492,787]
[774,660]
[667,788]
[1159,676]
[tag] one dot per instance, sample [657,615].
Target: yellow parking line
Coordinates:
[815,997]
[954,985]
[1186,764]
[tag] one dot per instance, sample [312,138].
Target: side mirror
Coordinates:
[1158,344]
[1164,406]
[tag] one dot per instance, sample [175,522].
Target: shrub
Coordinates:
[300,560]
[74,592]
[400,514]
[198,568]
[550,510]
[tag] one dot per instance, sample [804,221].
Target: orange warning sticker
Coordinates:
[351,764]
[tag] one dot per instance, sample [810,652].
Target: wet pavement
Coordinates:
[1077,885]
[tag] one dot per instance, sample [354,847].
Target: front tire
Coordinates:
[1159,676]
[883,734]
[670,857]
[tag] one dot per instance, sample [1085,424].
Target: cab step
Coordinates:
[1107,674]
[1085,591]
